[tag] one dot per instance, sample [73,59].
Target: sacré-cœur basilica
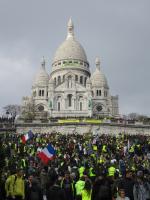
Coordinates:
[70,90]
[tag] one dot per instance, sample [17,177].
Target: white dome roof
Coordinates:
[98,79]
[41,78]
[70,48]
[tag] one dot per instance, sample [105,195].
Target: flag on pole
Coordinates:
[48,153]
[128,144]
[27,137]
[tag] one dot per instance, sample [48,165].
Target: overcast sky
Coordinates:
[116,31]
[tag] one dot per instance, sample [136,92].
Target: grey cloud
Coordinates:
[117,31]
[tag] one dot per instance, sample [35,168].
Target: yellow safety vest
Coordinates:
[111,171]
[91,174]
[81,171]
[104,149]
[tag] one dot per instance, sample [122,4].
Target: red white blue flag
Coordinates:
[27,137]
[48,153]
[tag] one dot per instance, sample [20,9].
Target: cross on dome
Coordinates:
[97,62]
[43,62]
[70,27]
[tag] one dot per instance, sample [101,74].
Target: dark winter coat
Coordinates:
[55,192]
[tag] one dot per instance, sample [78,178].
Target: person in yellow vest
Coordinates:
[14,186]
[111,171]
[94,147]
[87,191]
[8,188]
[104,149]
[79,186]
[131,150]
[102,159]
[92,174]
[81,171]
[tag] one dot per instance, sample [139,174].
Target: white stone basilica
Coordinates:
[70,90]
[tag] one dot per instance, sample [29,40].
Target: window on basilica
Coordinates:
[85,81]
[69,100]
[63,78]
[81,79]
[99,108]
[69,82]
[98,93]
[42,93]
[55,81]
[41,108]
[76,78]
[58,106]
[59,79]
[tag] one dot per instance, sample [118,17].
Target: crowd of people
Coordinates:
[85,167]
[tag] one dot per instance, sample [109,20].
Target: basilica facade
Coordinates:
[70,90]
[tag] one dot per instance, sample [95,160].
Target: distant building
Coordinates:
[70,90]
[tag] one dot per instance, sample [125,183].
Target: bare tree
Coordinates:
[133,116]
[136,116]
[13,110]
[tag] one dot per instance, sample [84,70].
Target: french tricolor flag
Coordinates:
[27,137]
[48,153]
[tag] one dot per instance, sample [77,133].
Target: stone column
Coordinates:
[73,103]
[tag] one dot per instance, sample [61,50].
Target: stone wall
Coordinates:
[82,128]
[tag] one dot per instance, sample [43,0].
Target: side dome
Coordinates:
[41,78]
[98,79]
[70,48]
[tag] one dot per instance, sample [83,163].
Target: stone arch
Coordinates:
[69,97]
[80,103]
[58,99]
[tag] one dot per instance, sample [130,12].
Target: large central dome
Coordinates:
[70,48]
